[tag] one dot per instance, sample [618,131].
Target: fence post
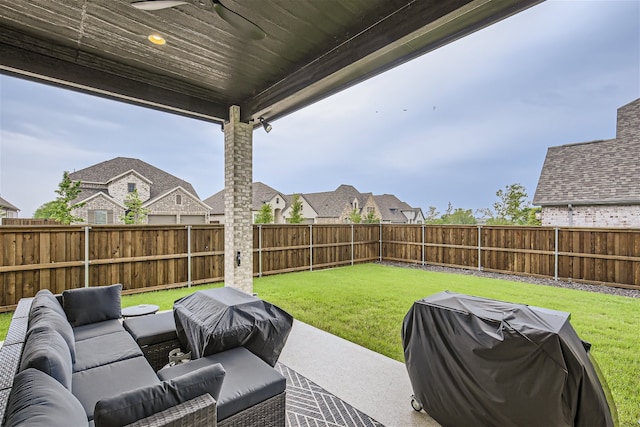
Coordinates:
[259,250]
[352,245]
[555,255]
[310,247]
[86,256]
[380,256]
[188,256]
[480,248]
[424,246]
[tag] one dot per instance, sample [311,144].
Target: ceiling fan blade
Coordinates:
[239,22]
[157,4]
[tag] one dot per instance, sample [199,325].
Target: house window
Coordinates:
[178,199]
[100,217]
[131,187]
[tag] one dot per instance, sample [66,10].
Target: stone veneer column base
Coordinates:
[238,224]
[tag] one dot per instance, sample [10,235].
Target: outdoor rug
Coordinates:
[310,405]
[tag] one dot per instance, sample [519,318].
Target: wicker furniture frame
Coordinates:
[158,354]
[268,413]
[198,412]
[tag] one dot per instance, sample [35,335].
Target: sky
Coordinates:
[452,126]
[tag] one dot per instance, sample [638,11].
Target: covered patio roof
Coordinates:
[269,57]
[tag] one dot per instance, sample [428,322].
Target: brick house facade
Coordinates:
[594,184]
[105,187]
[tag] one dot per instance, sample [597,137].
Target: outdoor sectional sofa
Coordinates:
[67,360]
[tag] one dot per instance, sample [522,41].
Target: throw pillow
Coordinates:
[91,305]
[47,318]
[46,351]
[140,403]
[44,298]
[37,400]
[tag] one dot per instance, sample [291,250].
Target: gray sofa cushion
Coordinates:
[248,380]
[140,403]
[93,330]
[46,317]
[44,298]
[90,305]
[92,385]
[37,400]
[148,330]
[46,351]
[105,349]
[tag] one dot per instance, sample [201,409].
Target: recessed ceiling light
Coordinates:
[157,39]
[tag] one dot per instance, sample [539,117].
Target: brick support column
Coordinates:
[238,224]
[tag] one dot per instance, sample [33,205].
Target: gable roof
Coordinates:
[7,205]
[104,172]
[597,172]
[329,204]
[101,194]
[153,200]
[262,194]
[216,202]
[391,208]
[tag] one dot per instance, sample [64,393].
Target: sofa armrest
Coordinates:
[198,412]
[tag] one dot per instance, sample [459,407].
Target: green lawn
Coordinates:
[366,304]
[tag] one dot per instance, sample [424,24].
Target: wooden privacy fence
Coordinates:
[160,257]
[139,257]
[587,255]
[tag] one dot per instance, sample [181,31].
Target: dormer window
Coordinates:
[178,199]
[131,187]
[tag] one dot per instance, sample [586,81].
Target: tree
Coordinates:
[47,210]
[533,216]
[265,216]
[62,207]
[511,208]
[355,217]
[451,216]
[135,213]
[371,217]
[432,216]
[296,210]
[459,216]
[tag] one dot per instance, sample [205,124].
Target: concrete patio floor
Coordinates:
[373,383]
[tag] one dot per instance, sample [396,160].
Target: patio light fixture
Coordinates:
[157,39]
[267,127]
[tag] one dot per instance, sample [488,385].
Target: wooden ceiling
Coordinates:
[312,48]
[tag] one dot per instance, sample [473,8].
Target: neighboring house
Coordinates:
[261,194]
[395,211]
[7,210]
[336,207]
[329,207]
[594,184]
[105,186]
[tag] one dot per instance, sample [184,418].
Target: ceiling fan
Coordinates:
[239,22]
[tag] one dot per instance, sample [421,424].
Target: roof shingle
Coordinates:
[107,170]
[597,172]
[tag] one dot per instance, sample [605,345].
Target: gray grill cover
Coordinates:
[220,319]
[476,361]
